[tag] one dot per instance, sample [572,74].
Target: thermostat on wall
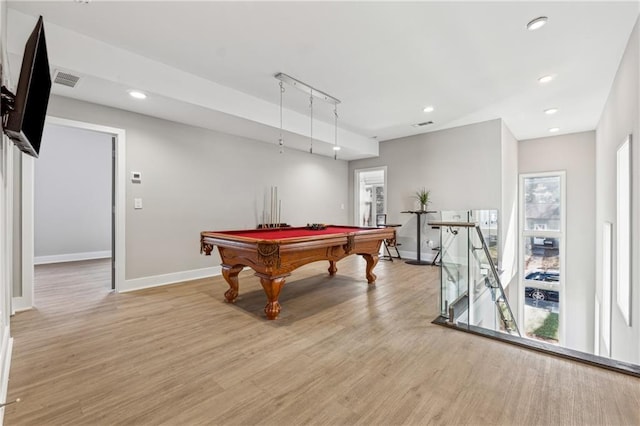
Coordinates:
[136,177]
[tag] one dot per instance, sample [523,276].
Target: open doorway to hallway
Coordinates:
[64,247]
[73,202]
[370,195]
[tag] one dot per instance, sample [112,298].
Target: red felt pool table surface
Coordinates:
[274,253]
[288,233]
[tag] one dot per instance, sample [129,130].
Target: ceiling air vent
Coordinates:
[65,79]
[424,123]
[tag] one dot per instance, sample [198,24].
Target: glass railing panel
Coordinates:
[454,287]
[482,283]
[454,215]
[487,219]
[454,266]
[489,306]
[471,292]
[454,270]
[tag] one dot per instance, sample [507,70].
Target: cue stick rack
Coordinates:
[272,211]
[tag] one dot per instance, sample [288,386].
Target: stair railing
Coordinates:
[491,282]
[504,309]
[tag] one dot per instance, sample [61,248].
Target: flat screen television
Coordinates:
[25,120]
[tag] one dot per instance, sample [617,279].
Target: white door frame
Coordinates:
[356,190]
[26,301]
[6,228]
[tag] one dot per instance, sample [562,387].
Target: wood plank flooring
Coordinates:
[341,353]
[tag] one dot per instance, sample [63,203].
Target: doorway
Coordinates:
[370,195]
[112,211]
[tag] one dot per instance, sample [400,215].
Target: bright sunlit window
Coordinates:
[542,260]
[623,229]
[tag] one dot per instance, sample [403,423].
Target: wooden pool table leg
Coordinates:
[272,287]
[230,274]
[332,267]
[372,260]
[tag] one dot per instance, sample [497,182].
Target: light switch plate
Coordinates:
[136,177]
[137,203]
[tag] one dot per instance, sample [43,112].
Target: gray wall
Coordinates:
[575,154]
[620,117]
[508,220]
[72,198]
[461,167]
[195,179]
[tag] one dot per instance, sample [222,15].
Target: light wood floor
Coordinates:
[341,353]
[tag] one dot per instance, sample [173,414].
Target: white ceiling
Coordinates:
[211,64]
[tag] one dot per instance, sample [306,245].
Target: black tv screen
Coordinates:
[25,122]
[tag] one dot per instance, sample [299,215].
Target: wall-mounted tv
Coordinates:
[27,110]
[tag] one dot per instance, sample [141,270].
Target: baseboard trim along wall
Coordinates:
[19,304]
[427,256]
[166,279]
[71,257]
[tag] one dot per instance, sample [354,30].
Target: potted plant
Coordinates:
[422,196]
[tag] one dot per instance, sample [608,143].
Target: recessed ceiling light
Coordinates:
[537,23]
[428,109]
[550,111]
[137,94]
[545,79]
[554,129]
[336,148]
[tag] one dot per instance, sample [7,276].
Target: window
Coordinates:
[542,254]
[623,229]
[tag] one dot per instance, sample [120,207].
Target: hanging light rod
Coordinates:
[306,88]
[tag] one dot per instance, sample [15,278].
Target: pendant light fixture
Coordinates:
[313,93]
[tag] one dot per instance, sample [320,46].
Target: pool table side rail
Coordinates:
[233,237]
[292,252]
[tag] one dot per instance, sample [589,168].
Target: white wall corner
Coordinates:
[509,205]
[19,304]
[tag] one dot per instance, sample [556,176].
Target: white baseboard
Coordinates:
[176,277]
[71,257]
[427,255]
[5,365]
[19,304]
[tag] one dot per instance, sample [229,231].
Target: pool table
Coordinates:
[274,253]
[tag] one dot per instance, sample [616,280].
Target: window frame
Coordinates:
[560,235]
